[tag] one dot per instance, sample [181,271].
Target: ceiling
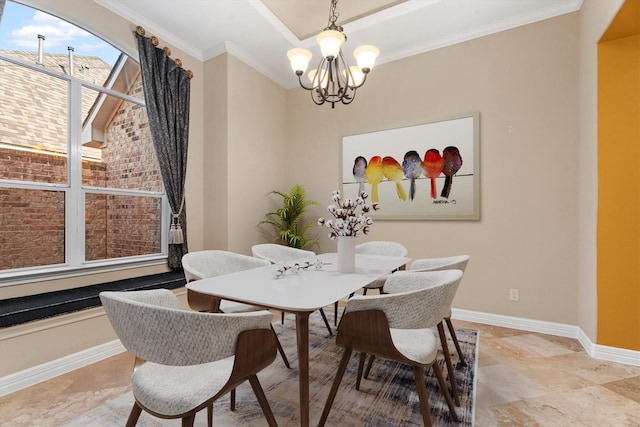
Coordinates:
[259,32]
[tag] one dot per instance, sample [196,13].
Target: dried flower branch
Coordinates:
[348,222]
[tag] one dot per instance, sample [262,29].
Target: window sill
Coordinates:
[26,276]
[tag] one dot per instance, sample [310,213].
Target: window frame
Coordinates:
[75,263]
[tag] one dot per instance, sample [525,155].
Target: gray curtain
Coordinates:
[166,93]
[1,9]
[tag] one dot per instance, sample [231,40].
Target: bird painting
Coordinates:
[359,168]
[452,164]
[374,175]
[393,172]
[412,168]
[433,164]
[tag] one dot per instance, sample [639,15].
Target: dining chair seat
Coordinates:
[163,389]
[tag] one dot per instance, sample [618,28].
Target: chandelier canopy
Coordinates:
[334,80]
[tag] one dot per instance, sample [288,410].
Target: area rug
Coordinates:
[387,398]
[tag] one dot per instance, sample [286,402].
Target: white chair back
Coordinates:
[202,264]
[275,253]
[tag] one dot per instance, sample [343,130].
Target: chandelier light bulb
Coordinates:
[299,59]
[366,57]
[330,42]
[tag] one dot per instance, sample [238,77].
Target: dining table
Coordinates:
[299,287]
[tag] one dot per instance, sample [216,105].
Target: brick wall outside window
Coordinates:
[32,221]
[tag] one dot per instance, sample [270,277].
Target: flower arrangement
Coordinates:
[347,221]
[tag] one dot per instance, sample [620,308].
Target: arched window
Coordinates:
[80,186]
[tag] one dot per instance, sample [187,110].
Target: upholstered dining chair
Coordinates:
[398,327]
[380,248]
[431,278]
[210,263]
[275,254]
[428,265]
[457,262]
[186,360]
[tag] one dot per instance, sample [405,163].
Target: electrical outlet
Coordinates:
[514,295]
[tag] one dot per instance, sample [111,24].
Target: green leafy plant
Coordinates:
[288,219]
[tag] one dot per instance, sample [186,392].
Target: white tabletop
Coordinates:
[308,290]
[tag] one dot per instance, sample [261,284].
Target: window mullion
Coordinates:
[75,228]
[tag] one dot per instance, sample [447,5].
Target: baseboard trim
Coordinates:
[28,377]
[612,354]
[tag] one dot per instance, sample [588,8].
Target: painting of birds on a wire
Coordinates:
[442,183]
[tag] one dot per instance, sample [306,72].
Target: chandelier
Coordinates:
[334,80]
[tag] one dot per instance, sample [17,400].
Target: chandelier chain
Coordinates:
[333,14]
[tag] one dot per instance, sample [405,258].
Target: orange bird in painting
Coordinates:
[393,171]
[433,164]
[374,175]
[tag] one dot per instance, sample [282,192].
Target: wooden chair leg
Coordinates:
[452,332]
[188,420]
[364,291]
[210,415]
[363,356]
[447,360]
[334,387]
[232,399]
[445,392]
[281,350]
[369,365]
[421,387]
[262,400]
[326,322]
[282,318]
[335,314]
[134,415]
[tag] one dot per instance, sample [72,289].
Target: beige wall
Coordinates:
[257,153]
[524,84]
[215,218]
[244,152]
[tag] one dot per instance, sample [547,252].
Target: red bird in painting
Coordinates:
[393,171]
[412,168]
[452,164]
[433,164]
[359,168]
[374,175]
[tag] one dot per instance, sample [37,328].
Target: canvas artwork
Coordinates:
[421,172]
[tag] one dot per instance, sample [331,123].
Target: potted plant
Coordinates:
[288,219]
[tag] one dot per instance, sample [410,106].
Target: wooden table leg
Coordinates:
[302,333]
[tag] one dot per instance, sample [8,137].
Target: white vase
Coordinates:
[346,254]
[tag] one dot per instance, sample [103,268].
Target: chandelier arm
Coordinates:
[302,84]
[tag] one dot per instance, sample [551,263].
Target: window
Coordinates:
[80,185]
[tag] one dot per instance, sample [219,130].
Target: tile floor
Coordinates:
[524,379]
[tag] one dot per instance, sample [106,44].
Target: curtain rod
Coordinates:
[167,51]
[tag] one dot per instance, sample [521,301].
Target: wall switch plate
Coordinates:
[514,295]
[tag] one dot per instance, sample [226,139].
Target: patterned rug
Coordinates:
[387,398]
